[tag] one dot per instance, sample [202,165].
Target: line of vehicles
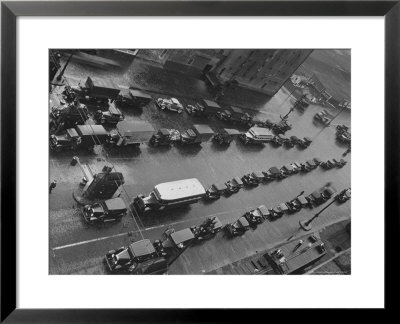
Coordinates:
[180,193]
[233,115]
[136,132]
[253,179]
[189,191]
[146,257]
[259,215]
[99,92]
[103,94]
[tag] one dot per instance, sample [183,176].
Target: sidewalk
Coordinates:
[153,78]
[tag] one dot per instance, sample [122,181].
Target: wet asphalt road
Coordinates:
[78,248]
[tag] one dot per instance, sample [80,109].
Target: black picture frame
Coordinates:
[9,13]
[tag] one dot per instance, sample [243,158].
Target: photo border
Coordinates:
[9,13]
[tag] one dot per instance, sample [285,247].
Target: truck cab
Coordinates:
[132,98]
[69,140]
[131,133]
[111,117]
[164,136]
[196,135]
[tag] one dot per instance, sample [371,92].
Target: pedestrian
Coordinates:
[301,193]
[52,185]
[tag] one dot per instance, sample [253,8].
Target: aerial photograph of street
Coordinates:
[200,161]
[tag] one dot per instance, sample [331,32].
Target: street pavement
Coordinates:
[78,248]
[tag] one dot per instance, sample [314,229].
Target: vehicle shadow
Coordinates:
[249,148]
[218,148]
[159,149]
[123,151]
[188,150]
[156,218]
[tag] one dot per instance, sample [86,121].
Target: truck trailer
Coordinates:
[131,133]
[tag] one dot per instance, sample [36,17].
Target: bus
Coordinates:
[170,195]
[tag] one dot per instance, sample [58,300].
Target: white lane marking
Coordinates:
[146,229]
[88,241]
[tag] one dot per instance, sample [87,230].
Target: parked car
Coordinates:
[327,192]
[259,175]
[257,216]
[250,180]
[208,229]
[105,211]
[317,161]
[238,227]
[164,137]
[226,136]
[305,142]
[327,165]
[216,191]
[196,135]
[344,195]
[279,210]
[296,167]
[316,198]
[288,169]
[276,173]
[172,104]
[234,185]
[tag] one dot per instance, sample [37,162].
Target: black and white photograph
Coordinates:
[200,161]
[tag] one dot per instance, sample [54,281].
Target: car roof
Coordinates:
[288,167]
[302,199]
[164,131]
[115,203]
[330,190]
[283,206]
[141,248]
[219,186]
[182,236]
[238,180]
[203,129]
[274,170]
[258,174]
[264,210]
[175,101]
[211,103]
[316,194]
[243,221]
[237,110]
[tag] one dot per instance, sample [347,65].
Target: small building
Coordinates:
[295,256]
